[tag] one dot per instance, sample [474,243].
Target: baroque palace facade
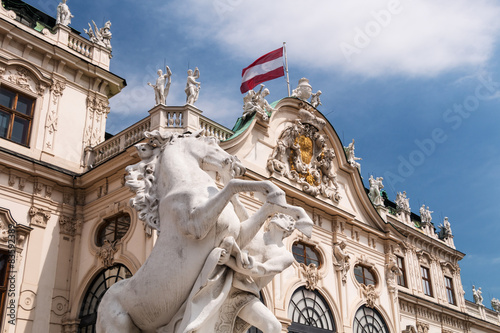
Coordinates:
[68,232]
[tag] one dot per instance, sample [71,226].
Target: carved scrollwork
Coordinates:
[302,156]
[422,327]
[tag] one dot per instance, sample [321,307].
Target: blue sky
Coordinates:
[415,83]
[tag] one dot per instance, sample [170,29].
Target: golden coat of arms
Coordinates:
[301,155]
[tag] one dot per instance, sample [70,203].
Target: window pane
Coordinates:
[7,98]
[20,130]
[4,124]
[24,105]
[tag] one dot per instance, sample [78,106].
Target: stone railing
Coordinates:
[80,45]
[119,142]
[179,119]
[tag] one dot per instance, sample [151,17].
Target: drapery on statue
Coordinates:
[211,259]
[255,102]
[192,87]
[63,14]
[162,86]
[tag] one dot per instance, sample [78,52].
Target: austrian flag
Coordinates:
[267,67]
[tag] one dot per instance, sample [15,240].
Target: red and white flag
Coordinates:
[267,67]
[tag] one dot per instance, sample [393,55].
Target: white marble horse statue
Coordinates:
[177,195]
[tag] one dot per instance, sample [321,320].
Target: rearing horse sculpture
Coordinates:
[176,195]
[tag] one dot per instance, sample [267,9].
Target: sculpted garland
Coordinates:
[211,258]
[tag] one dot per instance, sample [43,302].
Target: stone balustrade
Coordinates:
[80,45]
[172,118]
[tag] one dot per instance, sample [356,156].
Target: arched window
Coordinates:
[309,313]
[305,254]
[113,228]
[368,320]
[364,275]
[101,283]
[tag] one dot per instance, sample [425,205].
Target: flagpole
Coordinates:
[286,69]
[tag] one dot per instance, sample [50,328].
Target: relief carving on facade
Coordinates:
[409,329]
[69,226]
[39,216]
[341,260]
[391,272]
[311,275]
[21,78]
[27,300]
[97,111]
[107,253]
[51,122]
[422,327]
[302,156]
[369,294]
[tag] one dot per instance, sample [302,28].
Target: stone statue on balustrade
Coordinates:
[255,102]
[445,229]
[374,193]
[192,87]
[478,295]
[100,36]
[402,202]
[63,16]
[162,86]
[495,304]
[212,257]
[425,214]
[351,157]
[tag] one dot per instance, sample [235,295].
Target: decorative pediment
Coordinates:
[302,156]
[11,233]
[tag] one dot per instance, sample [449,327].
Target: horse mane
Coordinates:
[141,177]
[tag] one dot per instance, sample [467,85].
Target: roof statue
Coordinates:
[63,16]
[255,102]
[192,87]
[425,214]
[162,86]
[445,229]
[376,187]
[100,36]
[211,258]
[304,92]
[478,295]
[351,157]
[495,304]
[315,101]
[402,202]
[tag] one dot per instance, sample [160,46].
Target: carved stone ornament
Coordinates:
[391,271]
[409,329]
[39,216]
[107,253]
[21,78]
[341,260]
[302,156]
[69,226]
[369,294]
[403,203]
[100,36]
[311,275]
[422,327]
[57,89]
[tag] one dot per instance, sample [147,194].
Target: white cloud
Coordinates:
[415,38]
